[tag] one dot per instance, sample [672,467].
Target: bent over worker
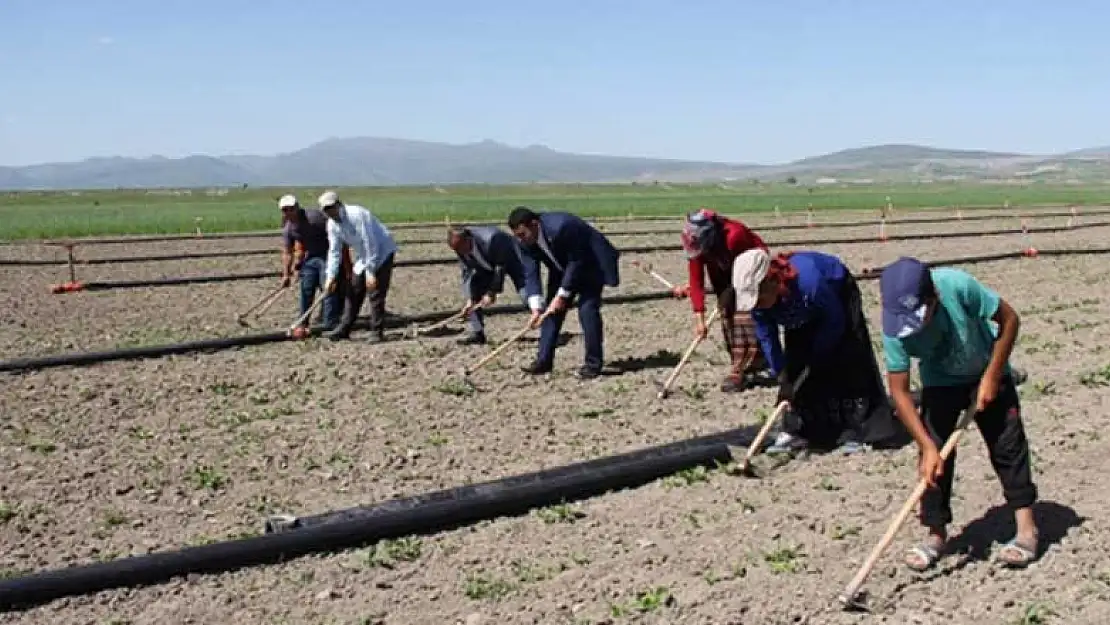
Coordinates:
[304,251]
[813,296]
[712,243]
[580,263]
[373,249]
[486,255]
[944,317]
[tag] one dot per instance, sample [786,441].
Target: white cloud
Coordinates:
[106,41]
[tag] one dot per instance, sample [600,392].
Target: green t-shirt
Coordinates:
[955,347]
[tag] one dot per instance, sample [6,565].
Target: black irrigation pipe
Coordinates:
[641,249]
[1035,214]
[222,343]
[420,514]
[136,284]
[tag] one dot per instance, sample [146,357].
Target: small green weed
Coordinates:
[488,587]
[784,560]
[687,477]
[1036,613]
[205,476]
[559,513]
[455,388]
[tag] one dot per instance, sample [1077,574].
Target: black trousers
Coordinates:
[844,398]
[357,294]
[1002,430]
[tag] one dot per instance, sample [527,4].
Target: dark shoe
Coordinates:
[537,368]
[586,372]
[473,338]
[759,378]
[732,384]
[337,334]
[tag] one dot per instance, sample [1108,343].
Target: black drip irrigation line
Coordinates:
[598,221]
[138,259]
[640,249]
[136,284]
[222,343]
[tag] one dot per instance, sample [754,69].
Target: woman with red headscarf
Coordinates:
[712,242]
[842,401]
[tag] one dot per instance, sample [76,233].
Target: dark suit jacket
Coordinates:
[587,257]
[499,249]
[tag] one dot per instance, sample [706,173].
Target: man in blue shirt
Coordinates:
[304,249]
[842,402]
[945,318]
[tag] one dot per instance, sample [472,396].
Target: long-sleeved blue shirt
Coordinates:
[814,298]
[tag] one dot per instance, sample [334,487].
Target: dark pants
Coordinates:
[589,315]
[357,294]
[475,282]
[1001,428]
[312,279]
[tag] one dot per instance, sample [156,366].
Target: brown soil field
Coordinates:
[125,458]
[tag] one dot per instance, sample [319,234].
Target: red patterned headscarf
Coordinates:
[782,272]
[700,233]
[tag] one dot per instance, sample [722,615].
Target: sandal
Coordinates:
[1021,556]
[922,557]
[848,448]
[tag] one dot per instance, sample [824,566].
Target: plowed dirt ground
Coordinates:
[126,458]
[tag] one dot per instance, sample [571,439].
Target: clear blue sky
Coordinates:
[755,81]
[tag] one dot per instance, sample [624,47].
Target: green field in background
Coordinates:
[47,215]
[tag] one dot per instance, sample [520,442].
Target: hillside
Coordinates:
[387,161]
[898,155]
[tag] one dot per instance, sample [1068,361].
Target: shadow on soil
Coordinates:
[996,526]
[662,359]
[564,338]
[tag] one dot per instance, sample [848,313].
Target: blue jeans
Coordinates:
[312,278]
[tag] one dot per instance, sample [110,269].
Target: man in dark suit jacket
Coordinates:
[486,254]
[580,263]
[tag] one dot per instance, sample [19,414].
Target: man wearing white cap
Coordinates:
[373,248]
[842,402]
[304,251]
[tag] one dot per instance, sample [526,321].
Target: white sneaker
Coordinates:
[786,442]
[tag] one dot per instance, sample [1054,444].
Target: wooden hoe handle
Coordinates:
[852,590]
[685,357]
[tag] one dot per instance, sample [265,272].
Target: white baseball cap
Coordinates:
[287,201]
[328,198]
[748,270]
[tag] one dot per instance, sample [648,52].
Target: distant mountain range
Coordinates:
[386,161]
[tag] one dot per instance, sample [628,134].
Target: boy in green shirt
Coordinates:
[943,318]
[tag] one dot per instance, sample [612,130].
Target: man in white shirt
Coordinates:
[373,249]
